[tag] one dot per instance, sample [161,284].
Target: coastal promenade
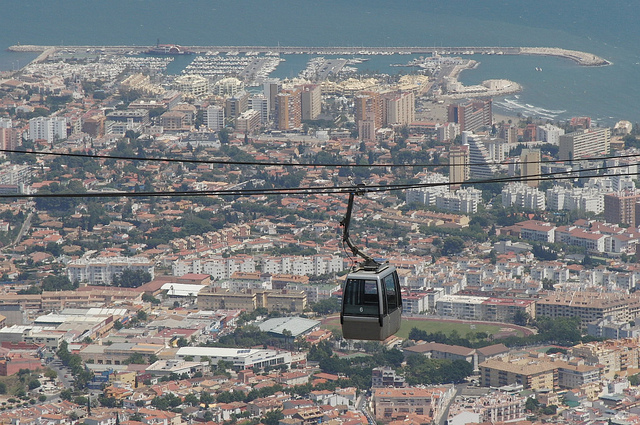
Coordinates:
[581,58]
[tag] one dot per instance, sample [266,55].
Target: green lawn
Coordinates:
[432,326]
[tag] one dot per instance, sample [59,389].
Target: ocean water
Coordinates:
[563,89]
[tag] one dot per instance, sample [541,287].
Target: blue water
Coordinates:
[608,29]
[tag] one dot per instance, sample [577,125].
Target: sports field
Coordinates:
[443,325]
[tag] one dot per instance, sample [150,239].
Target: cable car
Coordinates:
[371,304]
[371,297]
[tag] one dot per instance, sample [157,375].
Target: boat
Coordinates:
[168,49]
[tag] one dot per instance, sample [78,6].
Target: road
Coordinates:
[360,406]
[25,227]
[445,413]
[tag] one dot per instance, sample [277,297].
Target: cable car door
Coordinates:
[392,317]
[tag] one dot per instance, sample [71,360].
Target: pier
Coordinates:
[581,58]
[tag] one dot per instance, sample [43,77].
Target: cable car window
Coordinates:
[361,297]
[390,287]
[398,289]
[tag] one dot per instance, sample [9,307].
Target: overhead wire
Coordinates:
[296,164]
[315,190]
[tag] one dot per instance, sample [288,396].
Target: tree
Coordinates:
[223,135]
[452,245]
[58,283]
[521,318]
[326,306]
[532,404]
[131,278]
[273,417]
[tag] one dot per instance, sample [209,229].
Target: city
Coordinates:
[171,248]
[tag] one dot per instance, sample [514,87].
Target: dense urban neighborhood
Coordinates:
[171,247]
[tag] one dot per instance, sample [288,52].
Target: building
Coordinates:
[585,144]
[530,160]
[459,170]
[447,131]
[590,306]
[533,372]
[368,114]
[289,109]
[427,195]
[311,101]
[48,128]
[495,407]
[385,377]
[398,108]
[399,403]
[271,88]
[509,133]
[236,105]
[214,117]
[101,271]
[436,350]
[482,164]
[465,307]
[260,103]
[175,120]
[471,114]
[520,195]
[284,300]
[549,133]
[248,122]
[620,208]
[194,85]
[10,138]
[245,358]
[117,353]
[461,201]
[177,367]
[575,198]
[229,86]
[614,356]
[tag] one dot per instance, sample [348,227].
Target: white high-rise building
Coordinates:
[6,123]
[549,133]
[570,198]
[447,131]
[463,200]
[214,117]
[427,195]
[260,103]
[48,128]
[481,160]
[101,270]
[228,86]
[520,195]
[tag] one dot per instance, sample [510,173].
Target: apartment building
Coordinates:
[398,403]
[590,306]
[585,143]
[101,270]
[613,355]
[48,128]
[285,300]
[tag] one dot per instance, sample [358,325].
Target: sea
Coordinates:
[561,90]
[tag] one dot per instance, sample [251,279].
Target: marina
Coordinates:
[581,58]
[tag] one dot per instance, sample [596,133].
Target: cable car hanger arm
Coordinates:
[346,221]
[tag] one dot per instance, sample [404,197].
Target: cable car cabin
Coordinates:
[371,304]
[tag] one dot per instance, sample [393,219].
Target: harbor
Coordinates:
[581,58]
